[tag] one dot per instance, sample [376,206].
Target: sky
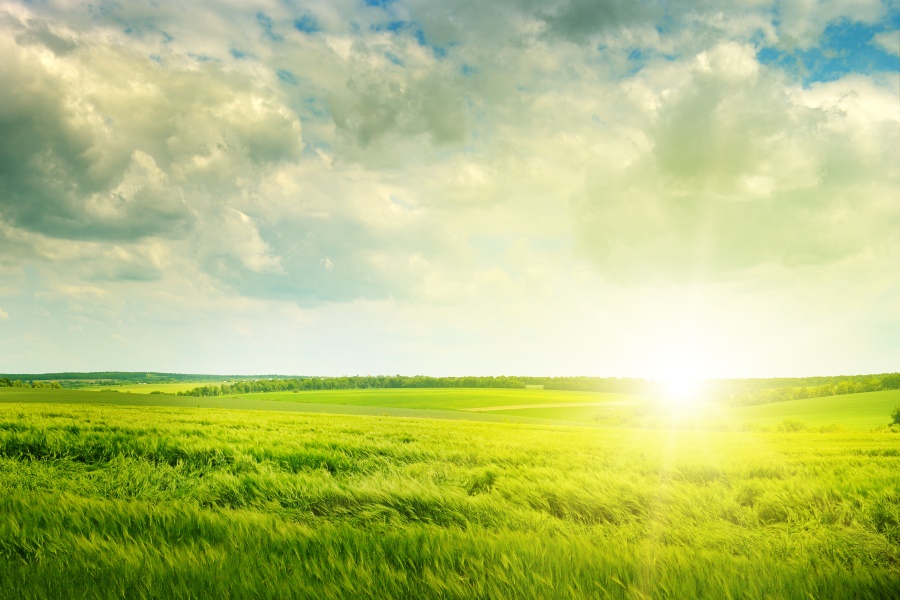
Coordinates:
[555,187]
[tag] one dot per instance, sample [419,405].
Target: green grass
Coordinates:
[118,501]
[275,402]
[853,411]
[614,414]
[147,388]
[440,398]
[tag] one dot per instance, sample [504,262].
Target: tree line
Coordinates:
[593,384]
[849,385]
[822,386]
[110,378]
[17,383]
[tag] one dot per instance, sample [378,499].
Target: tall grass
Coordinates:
[127,502]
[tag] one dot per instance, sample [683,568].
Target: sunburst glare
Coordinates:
[681,389]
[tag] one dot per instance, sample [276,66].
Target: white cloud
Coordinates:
[889,41]
[804,21]
[744,170]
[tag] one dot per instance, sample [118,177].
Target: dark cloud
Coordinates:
[578,20]
[40,33]
[105,144]
[379,108]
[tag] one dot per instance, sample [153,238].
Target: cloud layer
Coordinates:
[492,167]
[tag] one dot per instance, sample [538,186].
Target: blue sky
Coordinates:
[351,187]
[845,47]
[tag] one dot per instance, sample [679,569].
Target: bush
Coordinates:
[791,426]
[895,416]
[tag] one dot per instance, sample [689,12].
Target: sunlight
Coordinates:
[679,382]
[681,389]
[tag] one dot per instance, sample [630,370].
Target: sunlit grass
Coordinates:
[106,502]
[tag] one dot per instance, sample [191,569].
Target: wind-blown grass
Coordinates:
[111,502]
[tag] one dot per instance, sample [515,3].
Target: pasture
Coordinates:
[153,502]
[859,412]
[274,402]
[444,398]
[145,388]
[853,411]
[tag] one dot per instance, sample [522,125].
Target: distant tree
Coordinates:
[896,416]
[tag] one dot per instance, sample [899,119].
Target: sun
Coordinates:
[681,389]
[680,365]
[678,381]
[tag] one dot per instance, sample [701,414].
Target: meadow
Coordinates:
[850,411]
[859,412]
[445,398]
[853,411]
[119,501]
[329,402]
[144,388]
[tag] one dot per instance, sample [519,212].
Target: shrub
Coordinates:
[791,426]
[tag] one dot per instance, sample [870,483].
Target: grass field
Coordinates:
[853,411]
[267,402]
[443,398]
[613,414]
[146,388]
[131,502]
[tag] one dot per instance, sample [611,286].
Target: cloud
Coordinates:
[578,20]
[801,24]
[3,315]
[889,41]
[235,243]
[480,166]
[385,110]
[103,143]
[740,171]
